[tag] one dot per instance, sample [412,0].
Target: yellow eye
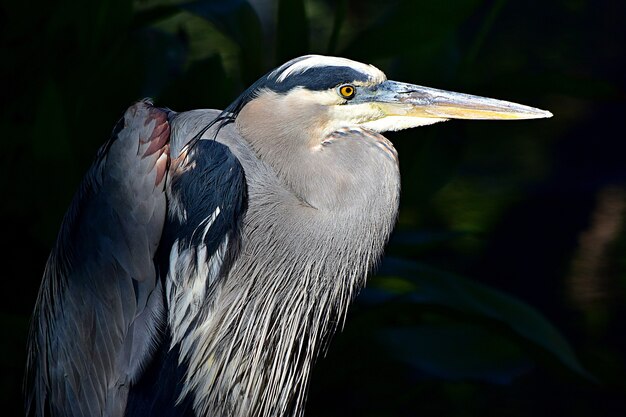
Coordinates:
[347,91]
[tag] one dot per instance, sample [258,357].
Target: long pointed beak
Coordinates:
[401,99]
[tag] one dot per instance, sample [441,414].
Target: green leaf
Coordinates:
[237,20]
[458,351]
[147,17]
[435,287]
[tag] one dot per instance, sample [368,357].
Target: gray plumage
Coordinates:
[208,256]
[290,285]
[94,322]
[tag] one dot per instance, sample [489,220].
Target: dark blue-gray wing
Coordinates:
[206,203]
[99,308]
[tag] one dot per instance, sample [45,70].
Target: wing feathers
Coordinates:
[100,314]
[207,198]
[98,311]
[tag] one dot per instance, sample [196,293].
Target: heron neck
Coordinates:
[276,323]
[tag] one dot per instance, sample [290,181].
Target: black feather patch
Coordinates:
[157,392]
[210,180]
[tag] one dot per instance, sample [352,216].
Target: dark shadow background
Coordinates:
[503,289]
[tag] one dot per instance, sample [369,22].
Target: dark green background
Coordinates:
[504,286]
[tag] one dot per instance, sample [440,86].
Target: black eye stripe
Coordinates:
[315,79]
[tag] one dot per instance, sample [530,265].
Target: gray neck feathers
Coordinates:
[304,257]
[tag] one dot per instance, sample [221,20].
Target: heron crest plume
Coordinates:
[209,255]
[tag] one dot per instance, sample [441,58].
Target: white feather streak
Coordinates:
[314,61]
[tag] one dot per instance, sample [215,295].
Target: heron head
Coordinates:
[289,115]
[323,94]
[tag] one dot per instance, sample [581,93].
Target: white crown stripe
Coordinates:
[314,61]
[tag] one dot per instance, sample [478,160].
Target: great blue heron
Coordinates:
[208,255]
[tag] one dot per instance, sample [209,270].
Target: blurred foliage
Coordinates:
[531,213]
